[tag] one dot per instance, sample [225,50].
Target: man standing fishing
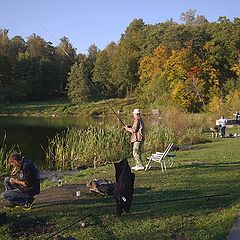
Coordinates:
[137,139]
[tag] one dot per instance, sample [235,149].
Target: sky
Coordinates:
[99,22]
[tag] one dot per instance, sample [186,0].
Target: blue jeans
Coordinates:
[222,131]
[14,194]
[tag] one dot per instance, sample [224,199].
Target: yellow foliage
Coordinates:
[215,104]
[180,96]
[236,69]
[233,100]
[151,66]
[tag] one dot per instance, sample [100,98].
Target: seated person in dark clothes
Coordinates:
[24,184]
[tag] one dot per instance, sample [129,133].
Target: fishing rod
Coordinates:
[70,225]
[103,96]
[208,197]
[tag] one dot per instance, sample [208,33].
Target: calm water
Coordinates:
[31,133]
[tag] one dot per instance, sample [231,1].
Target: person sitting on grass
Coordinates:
[23,185]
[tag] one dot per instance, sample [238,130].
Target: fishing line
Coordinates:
[70,225]
[103,96]
[159,201]
[208,197]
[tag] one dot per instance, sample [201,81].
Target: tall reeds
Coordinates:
[93,146]
[4,155]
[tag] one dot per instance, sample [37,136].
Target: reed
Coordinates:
[4,155]
[96,146]
[93,146]
[158,138]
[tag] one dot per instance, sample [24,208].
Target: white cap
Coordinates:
[137,111]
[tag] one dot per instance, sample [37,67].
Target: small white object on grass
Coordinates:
[83,224]
[78,193]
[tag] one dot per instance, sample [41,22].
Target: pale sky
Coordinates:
[86,22]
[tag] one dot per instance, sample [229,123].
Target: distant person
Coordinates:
[237,115]
[215,131]
[222,124]
[23,184]
[137,138]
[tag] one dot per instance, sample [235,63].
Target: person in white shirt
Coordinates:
[222,124]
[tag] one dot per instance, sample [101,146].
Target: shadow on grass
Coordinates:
[198,164]
[180,202]
[147,206]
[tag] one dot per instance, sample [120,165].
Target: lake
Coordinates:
[31,133]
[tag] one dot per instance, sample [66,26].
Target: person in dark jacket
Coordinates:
[22,187]
[124,187]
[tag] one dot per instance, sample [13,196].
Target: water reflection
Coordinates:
[31,134]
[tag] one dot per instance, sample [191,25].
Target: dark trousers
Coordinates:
[14,194]
[222,131]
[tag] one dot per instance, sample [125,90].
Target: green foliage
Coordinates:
[4,155]
[35,70]
[126,61]
[65,56]
[102,74]
[92,146]
[158,138]
[78,84]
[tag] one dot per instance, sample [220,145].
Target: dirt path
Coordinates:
[63,193]
[235,230]
[58,194]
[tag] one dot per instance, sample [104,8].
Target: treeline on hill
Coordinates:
[194,65]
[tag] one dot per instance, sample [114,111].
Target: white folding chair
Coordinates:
[159,157]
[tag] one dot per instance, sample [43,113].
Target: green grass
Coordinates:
[196,219]
[63,107]
[35,108]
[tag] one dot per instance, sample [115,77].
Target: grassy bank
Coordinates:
[63,107]
[205,169]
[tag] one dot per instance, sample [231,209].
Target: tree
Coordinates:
[17,45]
[65,57]
[78,89]
[27,83]
[126,61]
[152,84]
[191,18]
[6,93]
[102,74]
[4,43]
